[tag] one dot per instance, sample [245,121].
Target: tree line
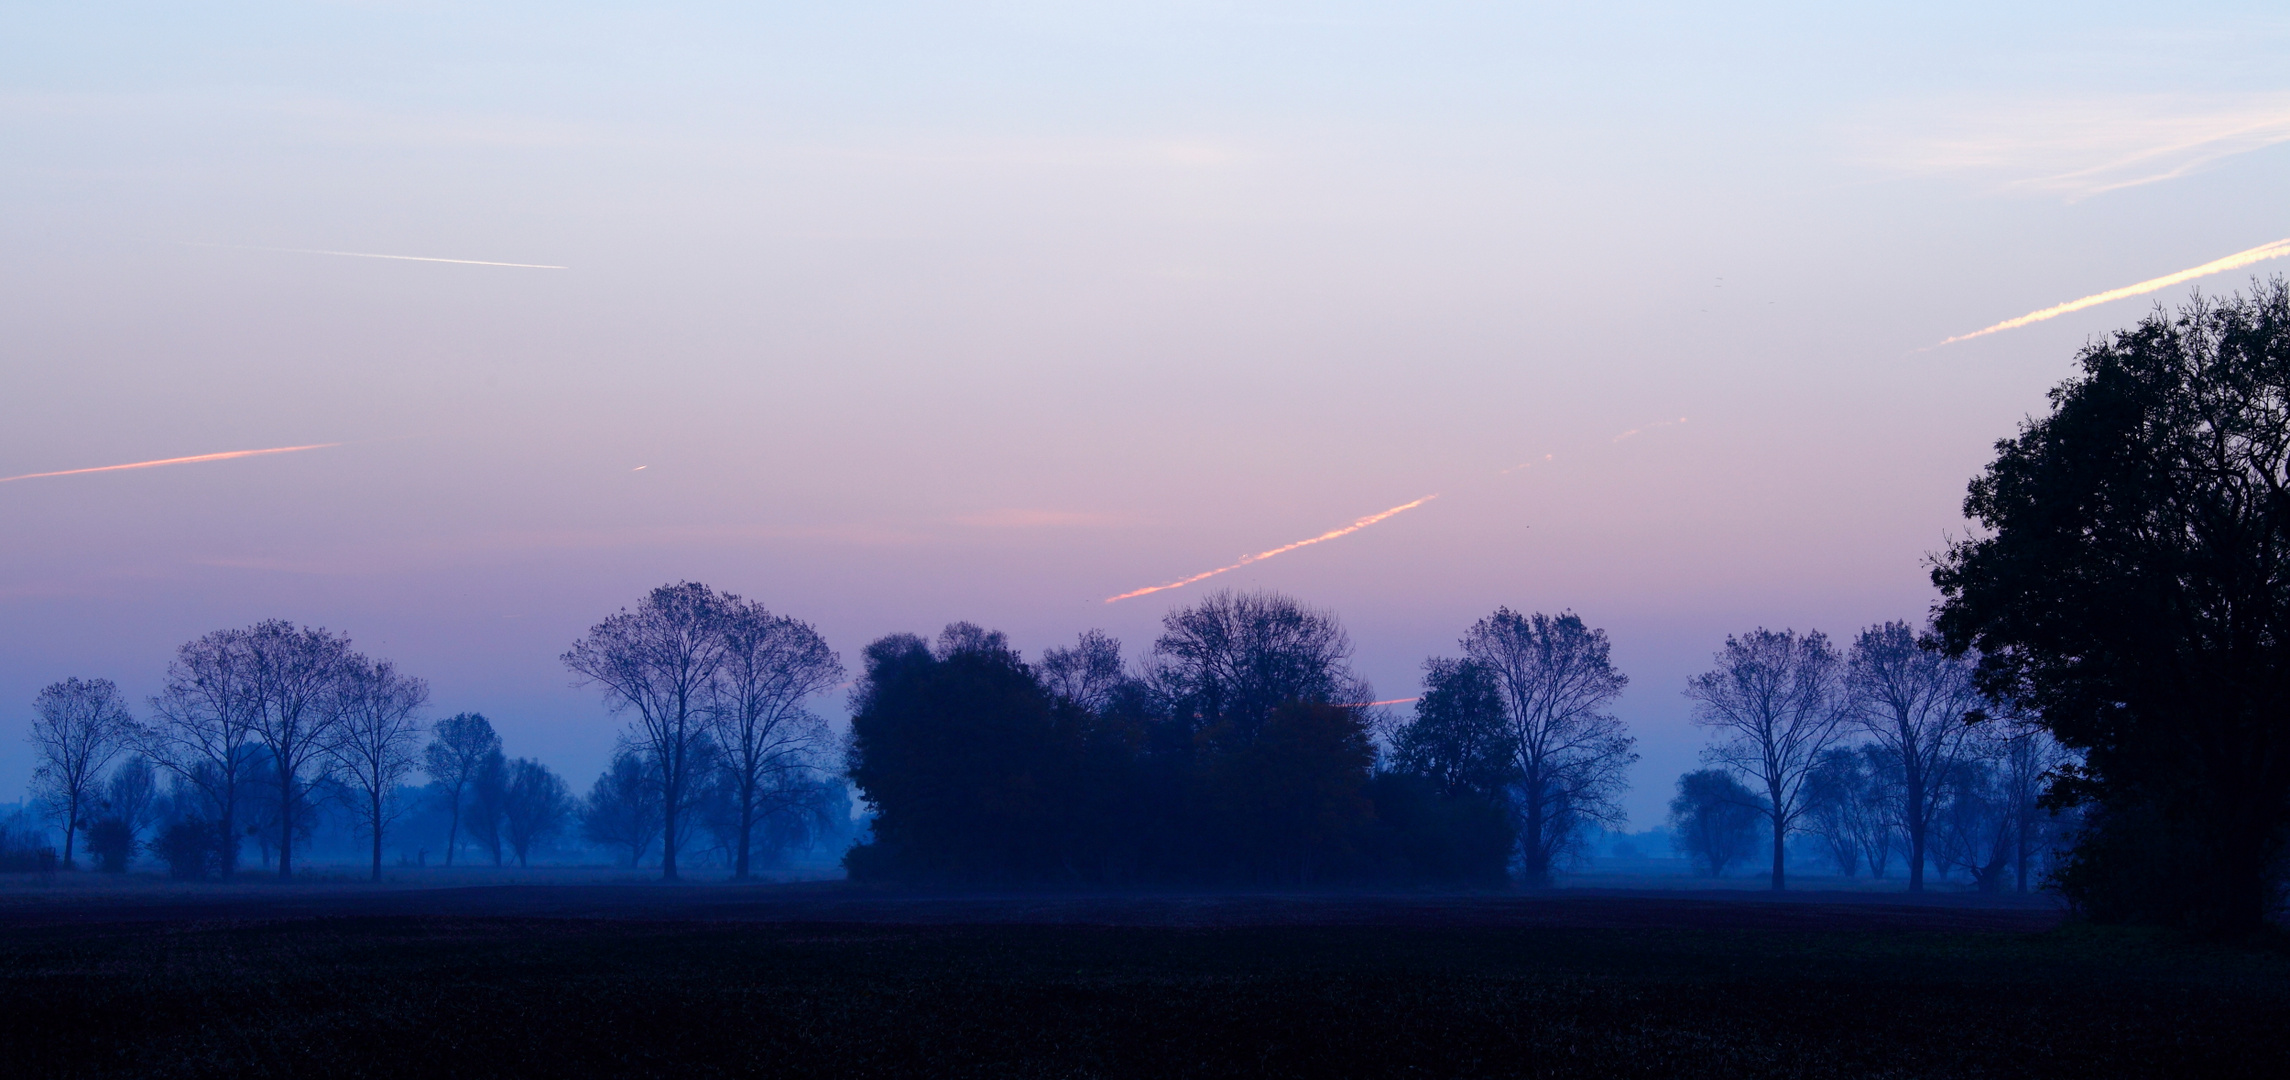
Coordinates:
[2109,660]
[258,729]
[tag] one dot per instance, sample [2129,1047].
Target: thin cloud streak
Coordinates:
[2236,261]
[1281,550]
[371,255]
[192,460]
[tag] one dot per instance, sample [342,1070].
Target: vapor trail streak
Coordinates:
[194,459]
[1281,550]
[2239,259]
[371,255]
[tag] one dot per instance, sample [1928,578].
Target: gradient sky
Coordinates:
[922,312]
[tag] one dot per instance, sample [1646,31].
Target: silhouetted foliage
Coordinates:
[535,806]
[112,843]
[1457,738]
[460,747]
[622,809]
[959,753]
[2131,592]
[194,848]
[981,767]
[1714,820]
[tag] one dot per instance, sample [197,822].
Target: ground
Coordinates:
[151,979]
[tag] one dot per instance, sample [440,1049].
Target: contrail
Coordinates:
[194,459]
[2237,260]
[1282,550]
[371,255]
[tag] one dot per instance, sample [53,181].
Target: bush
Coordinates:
[112,843]
[24,846]
[191,849]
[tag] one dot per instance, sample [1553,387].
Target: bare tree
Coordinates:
[296,710]
[1570,757]
[535,806]
[375,747]
[79,725]
[1227,662]
[457,750]
[1912,699]
[659,662]
[205,734]
[1086,674]
[766,739]
[1774,703]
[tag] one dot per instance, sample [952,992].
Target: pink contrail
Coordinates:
[372,255]
[1281,550]
[194,459]
[2236,261]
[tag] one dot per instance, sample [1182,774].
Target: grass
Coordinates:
[431,995]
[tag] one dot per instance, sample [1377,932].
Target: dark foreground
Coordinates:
[823,982]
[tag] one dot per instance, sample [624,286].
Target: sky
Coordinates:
[893,314]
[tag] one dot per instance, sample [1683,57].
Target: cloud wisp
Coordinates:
[1281,550]
[2236,261]
[192,460]
[372,255]
[2077,148]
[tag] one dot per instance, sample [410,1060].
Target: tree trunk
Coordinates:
[746,822]
[668,800]
[377,811]
[1537,868]
[1780,834]
[453,827]
[1915,840]
[71,821]
[285,824]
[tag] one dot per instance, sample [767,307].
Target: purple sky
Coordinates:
[913,313]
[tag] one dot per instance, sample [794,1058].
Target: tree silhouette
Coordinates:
[2130,588]
[78,726]
[659,663]
[1775,703]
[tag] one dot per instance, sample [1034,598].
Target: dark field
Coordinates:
[821,980]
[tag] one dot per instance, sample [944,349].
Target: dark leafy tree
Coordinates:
[2130,587]
[1569,756]
[659,664]
[959,754]
[1714,820]
[622,809]
[488,804]
[1774,703]
[132,795]
[78,727]
[536,806]
[1295,799]
[459,748]
[111,842]
[1459,736]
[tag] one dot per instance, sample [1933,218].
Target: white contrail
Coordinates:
[224,456]
[1281,550]
[2239,259]
[371,255]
